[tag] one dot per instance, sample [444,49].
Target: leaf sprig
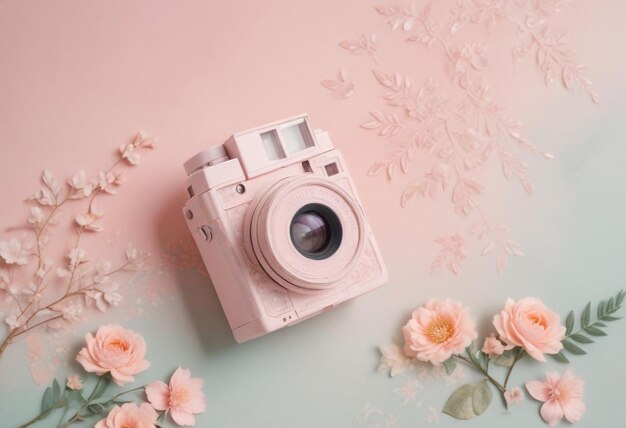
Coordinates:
[604,313]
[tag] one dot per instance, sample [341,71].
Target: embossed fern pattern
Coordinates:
[453,136]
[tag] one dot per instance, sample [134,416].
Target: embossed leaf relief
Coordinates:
[445,140]
[341,88]
[365,44]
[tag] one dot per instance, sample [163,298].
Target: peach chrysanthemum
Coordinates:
[438,330]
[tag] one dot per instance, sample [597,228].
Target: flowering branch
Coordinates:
[82,283]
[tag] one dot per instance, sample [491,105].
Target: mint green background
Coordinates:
[322,372]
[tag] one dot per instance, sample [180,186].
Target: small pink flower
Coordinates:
[74,382]
[438,330]
[561,396]
[529,324]
[493,347]
[514,396]
[114,350]
[130,416]
[183,397]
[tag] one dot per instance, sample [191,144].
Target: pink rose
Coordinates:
[130,416]
[494,347]
[529,324]
[114,350]
[182,398]
[438,330]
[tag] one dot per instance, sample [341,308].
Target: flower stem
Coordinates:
[7,341]
[78,415]
[36,419]
[126,392]
[518,356]
[477,366]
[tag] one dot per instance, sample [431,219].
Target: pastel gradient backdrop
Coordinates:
[78,78]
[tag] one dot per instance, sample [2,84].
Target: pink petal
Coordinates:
[158,395]
[551,412]
[573,409]
[121,378]
[180,377]
[538,390]
[182,417]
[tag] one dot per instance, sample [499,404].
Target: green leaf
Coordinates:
[47,400]
[619,299]
[460,405]
[574,349]
[569,323]
[610,307]
[482,397]
[102,386]
[611,318]
[96,408]
[450,365]
[76,395]
[584,318]
[505,359]
[580,338]
[598,324]
[601,309]
[594,331]
[56,390]
[560,357]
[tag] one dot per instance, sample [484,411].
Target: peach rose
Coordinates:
[114,350]
[438,330]
[529,324]
[130,416]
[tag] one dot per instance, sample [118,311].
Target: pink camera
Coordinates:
[279,225]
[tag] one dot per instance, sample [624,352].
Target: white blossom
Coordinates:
[36,216]
[105,296]
[12,321]
[128,152]
[14,252]
[72,311]
[105,182]
[101,274]
[77,256]
[80,185]
[44,269]
[394,359]
[131,252]
[89,221]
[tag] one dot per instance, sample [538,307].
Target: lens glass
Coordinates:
[316,231]
[309,232]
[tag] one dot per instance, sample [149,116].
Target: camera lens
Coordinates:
[316,231]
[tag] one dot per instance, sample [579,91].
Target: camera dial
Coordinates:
[211,156]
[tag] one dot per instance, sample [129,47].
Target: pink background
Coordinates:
[79,78]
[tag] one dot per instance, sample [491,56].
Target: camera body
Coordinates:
[279,226]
